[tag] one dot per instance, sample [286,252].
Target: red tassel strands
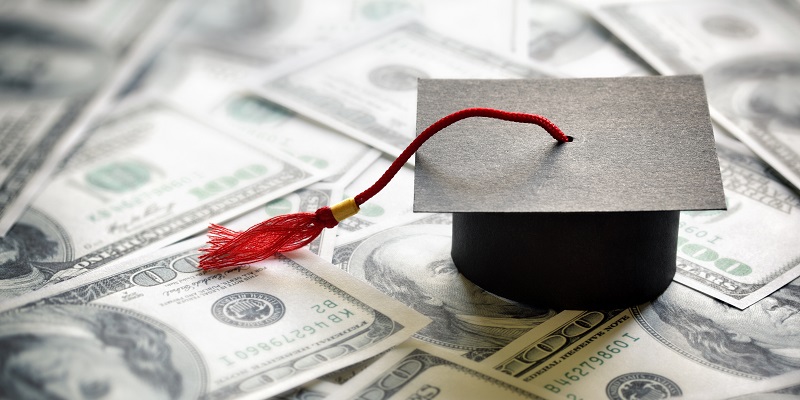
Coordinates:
[227,248]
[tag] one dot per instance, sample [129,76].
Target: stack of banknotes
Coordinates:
[126,127]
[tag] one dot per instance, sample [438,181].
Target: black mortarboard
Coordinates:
[589,224]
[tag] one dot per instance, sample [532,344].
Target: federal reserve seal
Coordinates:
[248,309]
[396,77]
[641,385]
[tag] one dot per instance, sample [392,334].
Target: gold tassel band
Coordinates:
[344,209]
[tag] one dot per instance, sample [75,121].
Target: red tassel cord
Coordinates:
[227,248]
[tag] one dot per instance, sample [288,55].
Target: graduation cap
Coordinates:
[589,221]
[589,224]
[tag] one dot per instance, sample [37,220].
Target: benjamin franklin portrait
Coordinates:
[761,340]
[85,352]
[32,251]
[413,265]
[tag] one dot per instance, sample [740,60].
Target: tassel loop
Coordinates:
[325,217]
[227,248]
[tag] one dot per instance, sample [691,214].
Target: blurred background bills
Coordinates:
[126,127]
[747,53]
[61,64]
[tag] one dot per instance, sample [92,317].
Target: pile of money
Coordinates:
[126,128]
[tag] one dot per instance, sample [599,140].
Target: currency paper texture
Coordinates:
[367,89]
[746,50]
[410,261]
[271,31]
[416,370]
[210,84]
[160,328]
[59,69]
[146,177]
[676,346]
[749,251]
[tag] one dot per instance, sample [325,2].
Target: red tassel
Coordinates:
[227,248]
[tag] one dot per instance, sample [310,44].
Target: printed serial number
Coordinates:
[590,364]
[333,315]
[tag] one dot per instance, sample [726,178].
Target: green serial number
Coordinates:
[590,364]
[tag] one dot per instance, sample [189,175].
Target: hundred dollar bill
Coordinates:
[394,201]
[566,37]
[411,262]
[148,176]
[271,31]
[747,252]
[367,88]
[61,64]
[159,328]
[416,370]
[678,345]
[210,84]
[748,54]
